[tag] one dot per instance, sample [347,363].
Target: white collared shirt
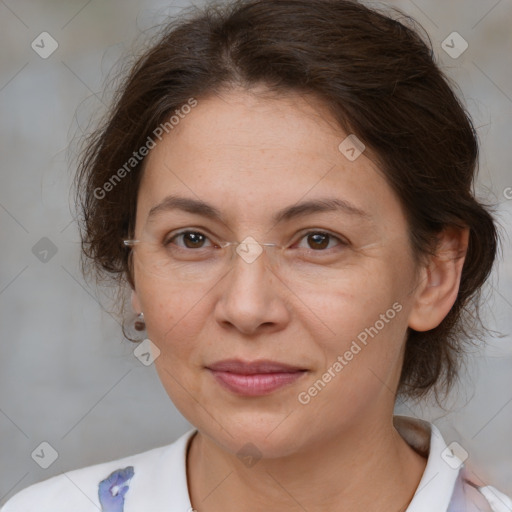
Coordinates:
[155,481]
[445,484]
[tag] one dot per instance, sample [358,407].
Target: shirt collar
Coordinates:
[434,490]
[436,486]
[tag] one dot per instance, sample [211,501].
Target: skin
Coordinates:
[250,154]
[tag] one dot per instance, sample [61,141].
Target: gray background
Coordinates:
[67,376]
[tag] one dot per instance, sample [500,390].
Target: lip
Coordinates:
[253,367]
[254,378]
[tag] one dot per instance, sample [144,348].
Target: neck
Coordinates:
[362,469]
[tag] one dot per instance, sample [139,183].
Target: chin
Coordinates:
[268,435]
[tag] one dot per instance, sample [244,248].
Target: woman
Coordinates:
[286,188]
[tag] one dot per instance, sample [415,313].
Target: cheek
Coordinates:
[363,318]
[356,299]
[359,358]
[175,322]
[174,315]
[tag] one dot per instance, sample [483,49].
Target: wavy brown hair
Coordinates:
[377,75]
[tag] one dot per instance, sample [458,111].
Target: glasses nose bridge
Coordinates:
[249,250]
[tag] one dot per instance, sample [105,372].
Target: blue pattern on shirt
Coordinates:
[112,490]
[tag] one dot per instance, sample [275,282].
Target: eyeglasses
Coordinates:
[197,262]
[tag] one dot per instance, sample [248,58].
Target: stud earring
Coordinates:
[140,324]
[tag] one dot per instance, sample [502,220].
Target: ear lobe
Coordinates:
[135,302]
[440,280]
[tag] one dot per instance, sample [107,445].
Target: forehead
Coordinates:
[251,154]
[236,126]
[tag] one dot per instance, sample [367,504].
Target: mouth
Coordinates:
[255,378]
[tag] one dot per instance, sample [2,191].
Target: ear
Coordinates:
[135,302]
[439,281]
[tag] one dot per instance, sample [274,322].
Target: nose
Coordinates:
[252,298]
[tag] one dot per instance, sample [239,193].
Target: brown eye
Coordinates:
[190,240]
[321,244]
[318,240]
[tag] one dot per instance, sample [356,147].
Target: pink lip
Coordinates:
[254,378]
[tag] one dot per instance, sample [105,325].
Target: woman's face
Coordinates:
[334,309]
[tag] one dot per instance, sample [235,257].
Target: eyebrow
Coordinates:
[199,207]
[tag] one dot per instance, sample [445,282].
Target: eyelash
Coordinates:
[341,241]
